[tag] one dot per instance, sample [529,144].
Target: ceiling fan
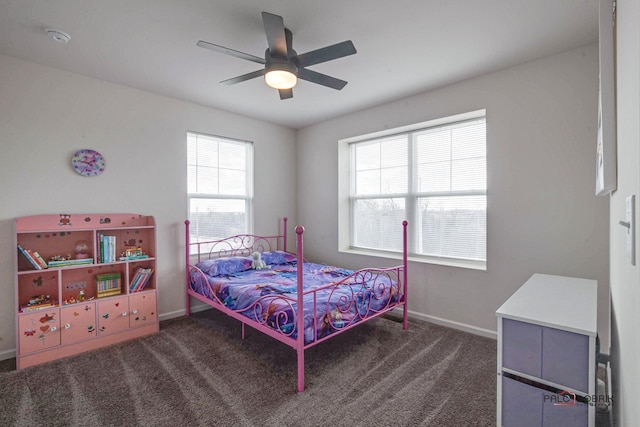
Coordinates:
[282,64]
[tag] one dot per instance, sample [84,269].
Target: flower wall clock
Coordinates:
[88,162]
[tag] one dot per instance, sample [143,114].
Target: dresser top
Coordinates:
[565,303]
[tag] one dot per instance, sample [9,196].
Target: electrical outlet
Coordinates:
[71,286]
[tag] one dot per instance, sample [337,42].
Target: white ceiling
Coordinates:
[404,46]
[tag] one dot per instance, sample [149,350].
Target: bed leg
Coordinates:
[243,331]
[300,370]
[405,319]
[405,323]
[187,302]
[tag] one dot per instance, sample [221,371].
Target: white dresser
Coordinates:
[547,357]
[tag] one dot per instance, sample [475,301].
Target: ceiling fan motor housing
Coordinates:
[279,64]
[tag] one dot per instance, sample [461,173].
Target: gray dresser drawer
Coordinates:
[551,354]
[522,347]
[521,404]
[557,412]
[525,405]
[565,358]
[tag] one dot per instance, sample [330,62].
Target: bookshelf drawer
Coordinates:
[78,322]
[39,330]
[113,315]
[143,309]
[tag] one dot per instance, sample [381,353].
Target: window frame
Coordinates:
[249,174]
[346,212]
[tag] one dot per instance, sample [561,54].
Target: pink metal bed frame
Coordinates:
[245,244]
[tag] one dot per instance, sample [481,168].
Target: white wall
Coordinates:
[543,215]
[47,114]
[625,278]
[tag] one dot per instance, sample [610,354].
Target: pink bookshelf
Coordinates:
[76,301]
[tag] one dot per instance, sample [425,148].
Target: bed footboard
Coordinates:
[366,293]
[357,292]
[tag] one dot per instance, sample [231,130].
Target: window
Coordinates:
[432,174]
[220,186]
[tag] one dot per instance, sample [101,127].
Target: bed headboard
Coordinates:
[238,245]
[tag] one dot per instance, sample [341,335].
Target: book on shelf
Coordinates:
[133,257]
[108,284]
[107,248]
[68,262]
[140,279]
[39,259]
[29,258]
[99,248]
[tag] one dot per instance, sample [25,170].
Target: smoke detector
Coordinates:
[58,35]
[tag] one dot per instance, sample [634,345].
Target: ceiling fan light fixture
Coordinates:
[281,74]
[280,79]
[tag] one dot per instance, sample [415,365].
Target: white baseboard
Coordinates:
[452,324]
[7,354]
[195,308]
[172,315]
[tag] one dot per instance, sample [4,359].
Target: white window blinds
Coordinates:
[433,176]
[219,186]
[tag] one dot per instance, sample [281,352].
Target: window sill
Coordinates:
[471,265]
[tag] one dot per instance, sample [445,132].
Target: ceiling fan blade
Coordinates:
[228,51]
[325,54]
[274,28]
[321,79]
[285,93]
[244,77]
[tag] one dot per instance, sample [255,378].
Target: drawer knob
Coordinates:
[134,311]
[124,313]
[53,328]
[67,326]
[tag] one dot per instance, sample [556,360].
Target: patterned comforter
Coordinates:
[334,298]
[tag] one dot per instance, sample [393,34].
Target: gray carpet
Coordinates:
[199,372]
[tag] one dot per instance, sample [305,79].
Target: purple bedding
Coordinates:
[269,296]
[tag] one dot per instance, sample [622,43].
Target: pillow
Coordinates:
[277,257]
[228,265]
